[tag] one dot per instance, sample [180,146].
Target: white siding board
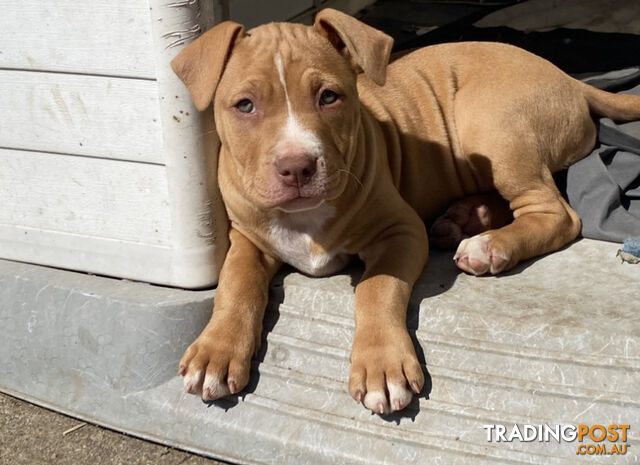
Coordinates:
[111,37]
[97,255]
[83,115]
[83,196]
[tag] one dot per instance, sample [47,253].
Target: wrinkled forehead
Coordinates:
[297,46]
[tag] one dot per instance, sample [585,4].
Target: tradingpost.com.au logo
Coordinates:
[592,439]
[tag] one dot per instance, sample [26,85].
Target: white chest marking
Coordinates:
[292,238]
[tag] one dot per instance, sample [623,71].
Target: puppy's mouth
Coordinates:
[293,198]
[300,198]
[300,203]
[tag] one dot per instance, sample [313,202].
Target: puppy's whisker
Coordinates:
[352,175]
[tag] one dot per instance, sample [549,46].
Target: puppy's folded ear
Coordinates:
[200,64]
[366,47]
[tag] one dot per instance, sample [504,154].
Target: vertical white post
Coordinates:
[199,222]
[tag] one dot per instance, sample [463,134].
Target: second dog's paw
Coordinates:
[384,376]
[477,255]
[213,368]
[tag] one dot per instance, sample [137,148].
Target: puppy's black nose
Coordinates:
[296,170]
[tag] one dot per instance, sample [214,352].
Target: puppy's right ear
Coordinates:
[366,47]
[200,64]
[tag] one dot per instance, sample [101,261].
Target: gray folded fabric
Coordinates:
[604,187]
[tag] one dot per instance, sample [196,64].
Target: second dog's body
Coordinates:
[317,166]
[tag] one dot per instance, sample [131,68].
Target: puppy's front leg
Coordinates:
[218,362]
[384,366]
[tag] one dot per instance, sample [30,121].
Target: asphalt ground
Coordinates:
[31,435]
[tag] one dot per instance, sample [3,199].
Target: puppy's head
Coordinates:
[285,102]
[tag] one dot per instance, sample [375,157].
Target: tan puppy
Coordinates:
[319,163]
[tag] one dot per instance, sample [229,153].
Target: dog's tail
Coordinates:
[618,107]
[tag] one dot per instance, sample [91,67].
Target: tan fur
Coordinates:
[451,121]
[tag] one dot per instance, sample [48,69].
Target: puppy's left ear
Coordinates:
[366,47]
[200,64]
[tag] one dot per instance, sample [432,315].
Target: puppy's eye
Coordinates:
[327,97]
[245,106]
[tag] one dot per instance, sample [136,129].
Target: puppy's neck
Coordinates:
[309,221]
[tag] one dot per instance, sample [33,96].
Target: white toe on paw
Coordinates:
[399,396]
[214,388]
[376,401]
[476,257]
[483,215]
[475,247]
[192,383]
[472,255]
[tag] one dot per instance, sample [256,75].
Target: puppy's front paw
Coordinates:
[385,372]
[479,255]
[216,365]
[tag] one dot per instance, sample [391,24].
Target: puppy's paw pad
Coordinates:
[477,256]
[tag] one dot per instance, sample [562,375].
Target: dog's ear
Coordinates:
[366,47]
[200,64]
